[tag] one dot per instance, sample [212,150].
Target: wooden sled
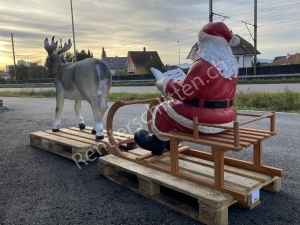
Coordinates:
[234,138]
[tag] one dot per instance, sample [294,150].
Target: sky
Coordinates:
[169,27]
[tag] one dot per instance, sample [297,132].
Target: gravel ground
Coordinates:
[38,187]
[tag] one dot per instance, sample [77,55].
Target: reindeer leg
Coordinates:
[98,119]
[103,101]
[77,108]
[58,111]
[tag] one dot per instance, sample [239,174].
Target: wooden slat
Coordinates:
[83,134]
[241,172]
[228,132]
[231,137]
[61,140]
[155,158]
[148,155]
[201,141]
[117,135]
[272,171]
[266,135]
[177,184]
[114,132]
[64,134]
[125,141]
[258,130]
[212,137]
[219,137]
[206,171]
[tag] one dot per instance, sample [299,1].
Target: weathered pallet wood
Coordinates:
[73,143]
[248,182]
[212,205]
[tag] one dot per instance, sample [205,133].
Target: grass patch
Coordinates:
[152,83]
[287,101]
[128,96]
[28,94]
[270,81]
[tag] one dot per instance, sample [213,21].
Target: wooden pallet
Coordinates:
[75,144]
[212,205]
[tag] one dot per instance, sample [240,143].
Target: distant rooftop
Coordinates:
[115,62]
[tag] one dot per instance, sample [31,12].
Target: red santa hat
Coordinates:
[218,33]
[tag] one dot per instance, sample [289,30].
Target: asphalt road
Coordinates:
[38,187]
[152,89]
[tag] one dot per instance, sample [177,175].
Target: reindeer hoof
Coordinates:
[99,138]
[81,126]
[93,131]
[55,130]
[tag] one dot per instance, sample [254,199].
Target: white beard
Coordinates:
[219,56]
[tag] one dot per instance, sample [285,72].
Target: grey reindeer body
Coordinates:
[89,79]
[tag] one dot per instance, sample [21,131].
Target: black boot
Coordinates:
[149,142]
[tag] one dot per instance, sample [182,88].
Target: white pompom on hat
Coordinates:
[218,33]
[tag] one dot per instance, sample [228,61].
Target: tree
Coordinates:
[2,80]
[68,56]
[103,54]
[37,72]
[120,71]
[21,71]
[83,55]
[156,63]
[49,74]
[258,63]
[39,62]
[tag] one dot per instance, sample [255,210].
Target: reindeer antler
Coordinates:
[50,48]
[65,48]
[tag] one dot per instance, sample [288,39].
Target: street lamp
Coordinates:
[179,52]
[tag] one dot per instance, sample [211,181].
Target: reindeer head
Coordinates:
[53,57]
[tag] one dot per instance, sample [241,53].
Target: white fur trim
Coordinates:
[189,123]
[235,40]
[155,129]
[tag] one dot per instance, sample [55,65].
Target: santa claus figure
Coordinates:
[207,92]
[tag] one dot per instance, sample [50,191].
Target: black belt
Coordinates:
[209,103]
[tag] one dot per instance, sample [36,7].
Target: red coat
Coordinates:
[203,82]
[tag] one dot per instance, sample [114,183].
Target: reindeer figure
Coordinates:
[89,79]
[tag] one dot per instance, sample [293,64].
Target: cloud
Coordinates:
[122,26]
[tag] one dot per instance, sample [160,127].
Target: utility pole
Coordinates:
[13,49]
[75,57]
[179,52]
[210,11]
[255,37]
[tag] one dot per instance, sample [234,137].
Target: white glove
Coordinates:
[162,84]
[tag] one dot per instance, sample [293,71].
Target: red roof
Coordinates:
[285,60]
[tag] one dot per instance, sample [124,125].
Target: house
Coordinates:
[170,67]
[20,63]
[243,52]
[5,75]
[136,61]
[286,60]
[115,63]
